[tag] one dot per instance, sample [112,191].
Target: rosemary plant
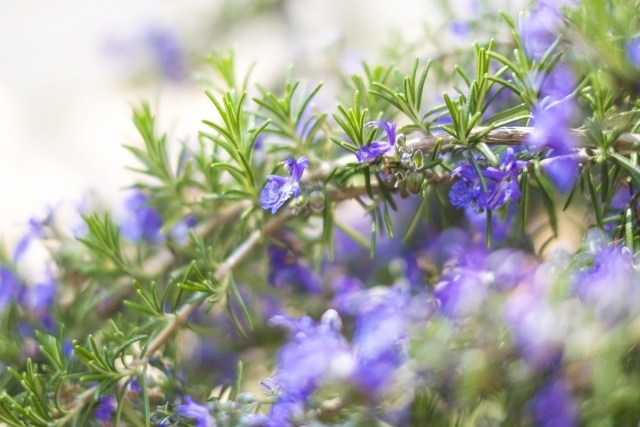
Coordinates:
[384,262]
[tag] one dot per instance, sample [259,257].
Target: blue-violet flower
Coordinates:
[197,411]
[378,148]
[281,188]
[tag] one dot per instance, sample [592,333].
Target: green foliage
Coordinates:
[156,286]
[103,239]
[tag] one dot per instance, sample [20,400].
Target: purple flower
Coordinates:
[462,293]
[502,184]
[380,338]
[9,287]
[500,224]
[562,168]
[540,29]
[280,188]
[345,287]
[538,329]
[608,281]
[35,231]
[181,229]
[553,406]
[633,51]
[140,221]
[316,353]
[553,115]
[509,268]
[104,409]
[286,271]
[460,28]
[198,412]
[283,411]
[37,272]
[378,148]
[168,53]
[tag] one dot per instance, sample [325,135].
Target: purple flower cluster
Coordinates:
[502,184]
[378,148]
[318,353]
[279,189]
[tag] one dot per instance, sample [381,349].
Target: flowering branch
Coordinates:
[184,313]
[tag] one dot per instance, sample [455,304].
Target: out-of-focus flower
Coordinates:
[550,125]
[9,287]
[510,268]
[539,329]
[608,280]
[139,220]
[378,148]
[168,54]
[562,167]
[197,411]
[36,271]
[633,51]
[285,409]
[502,184]
[155,50]
[460,28]
[254,420]
[286,271]
[552,118]
[380,339]
[501,222]
[463,292]
[104,409]
[540,29]
[553,406]
[181,229]
[279,189]
[317,353]
[345,287]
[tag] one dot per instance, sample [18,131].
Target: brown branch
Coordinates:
[516,136]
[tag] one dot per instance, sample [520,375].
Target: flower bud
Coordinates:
[316,201]
[301,201]
[407,161]
[246,398]
[414,183]
[228,406]
[402,186]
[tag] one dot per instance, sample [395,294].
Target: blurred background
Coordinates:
[72,69]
